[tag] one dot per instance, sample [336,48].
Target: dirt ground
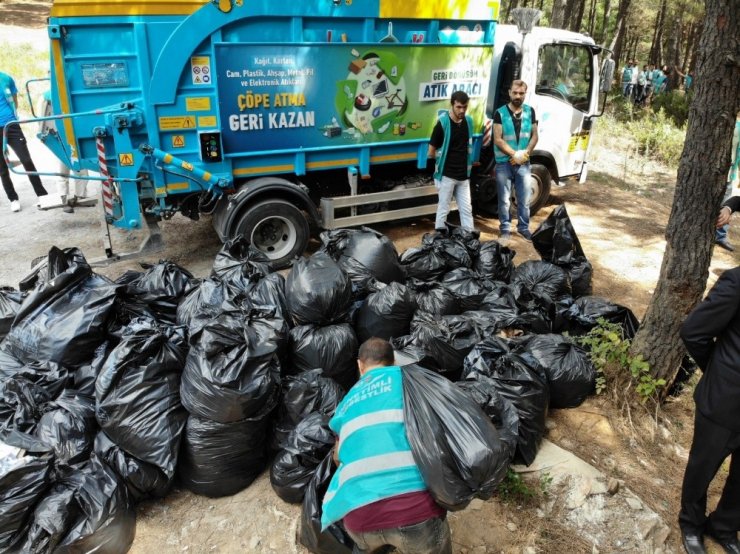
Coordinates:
[620,216]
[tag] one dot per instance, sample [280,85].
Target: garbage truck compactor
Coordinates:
[282,117]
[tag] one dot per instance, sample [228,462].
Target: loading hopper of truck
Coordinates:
[280,118]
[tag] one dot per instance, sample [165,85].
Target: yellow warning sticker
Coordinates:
[207,121]
[198,104]
[200,60]
[173,122]
[126,159]
[178,141]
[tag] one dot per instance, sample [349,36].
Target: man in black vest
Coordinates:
[711,334]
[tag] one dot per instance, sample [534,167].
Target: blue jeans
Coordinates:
[446,187]
[431,536]
[721,233]
[519,174]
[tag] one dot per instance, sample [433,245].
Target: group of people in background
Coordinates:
[640,85]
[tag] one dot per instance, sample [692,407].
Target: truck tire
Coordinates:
[277,228]
[541,184]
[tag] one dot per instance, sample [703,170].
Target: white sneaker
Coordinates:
[15,206]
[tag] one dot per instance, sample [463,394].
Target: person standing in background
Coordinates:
[733,180]
[16,140]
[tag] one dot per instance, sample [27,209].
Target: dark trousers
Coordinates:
[17,142]
[711,445]
[428,537]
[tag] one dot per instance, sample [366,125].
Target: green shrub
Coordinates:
[658,137]
[675,104]
[23,62]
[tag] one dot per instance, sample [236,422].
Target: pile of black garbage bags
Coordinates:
[111,392]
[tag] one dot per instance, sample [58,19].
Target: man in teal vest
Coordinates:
[16,140]
[514,139]
[452,145]
[378,490]
[733,180]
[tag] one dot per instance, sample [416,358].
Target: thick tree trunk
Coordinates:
[702,174]
[580,8]
[570,8]
[557,19]
[619,30]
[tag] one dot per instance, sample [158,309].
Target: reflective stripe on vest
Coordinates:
[509,133]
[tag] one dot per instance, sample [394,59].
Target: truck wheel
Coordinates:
[540,192]
[486,196]
[277,228]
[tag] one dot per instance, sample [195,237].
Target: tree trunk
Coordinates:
[575,24]
[510,6]
[672,52]
[570,7]
[558,14]
[605,22]
[592,18]
[702,175]
[619,30]
[655,47]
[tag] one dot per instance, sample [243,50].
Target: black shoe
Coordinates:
[693,543]
[441,231]
[68,209]
[724,243]
[731,545]
[526,235]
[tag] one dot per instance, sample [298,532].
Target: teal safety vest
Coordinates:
[509,133]
[627,75]
[375,454]
[444,119]
[7,89]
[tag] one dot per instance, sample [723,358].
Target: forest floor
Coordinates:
[620,216]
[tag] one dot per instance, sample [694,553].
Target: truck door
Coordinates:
[563,97]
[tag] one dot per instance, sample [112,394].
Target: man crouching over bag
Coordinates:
[378,489]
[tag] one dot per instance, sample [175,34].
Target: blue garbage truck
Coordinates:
[281,118]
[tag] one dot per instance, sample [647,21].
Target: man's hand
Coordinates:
[520,157]
[724,216]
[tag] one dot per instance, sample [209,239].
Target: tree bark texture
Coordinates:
[702,175]
[619,30]
[605,22]
[558,14]
[592,18]
[655,48]
[672,51]
[580,8]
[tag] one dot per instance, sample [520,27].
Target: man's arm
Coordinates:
[435,141]
[498,140]
[711,317]
[533,139]
[732,205]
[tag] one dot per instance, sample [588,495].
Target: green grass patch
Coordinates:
[23,62]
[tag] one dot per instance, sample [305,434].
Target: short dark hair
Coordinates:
[518,83]
[376,350]
[459,96]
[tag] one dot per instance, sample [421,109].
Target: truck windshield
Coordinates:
[564,72]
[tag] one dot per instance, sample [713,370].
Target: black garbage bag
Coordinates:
[546,282]
[158,290]
[469,287]
[571,375]
[269,292]
[500,411]
[68,426]
[332,348]
[49,376]
[304,394]
[294,465]
[433,298]
[456,447]
[220,459]
[454,252]
[372,251]
[495,262]
[106,520]
[233,366]
[20,405]
[555,239]
[318,291]
[23,483]
[201,304]
[64,319]
[10,303]
[519,379]
[580,272]
[334,540]
[143,480]
[386,313]
[469,239]
[57,261]
[239,264]
[584,313]
[83,380]
[137,393]
[51,519]
[424,263]
[439,343]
